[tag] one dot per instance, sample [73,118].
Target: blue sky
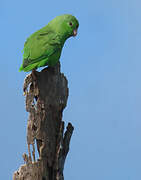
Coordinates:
[102,65]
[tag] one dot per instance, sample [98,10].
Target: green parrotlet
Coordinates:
[44,47]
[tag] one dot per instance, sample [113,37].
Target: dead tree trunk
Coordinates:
[45,101]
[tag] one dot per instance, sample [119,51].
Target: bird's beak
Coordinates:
[74,32]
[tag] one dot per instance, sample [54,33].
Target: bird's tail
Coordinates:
[21,68]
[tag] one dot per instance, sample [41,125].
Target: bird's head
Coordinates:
[66,25]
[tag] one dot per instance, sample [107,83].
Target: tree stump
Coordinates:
[46,99]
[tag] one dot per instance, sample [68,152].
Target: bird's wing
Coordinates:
[40,45]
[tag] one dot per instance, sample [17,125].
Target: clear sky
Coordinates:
[103,67]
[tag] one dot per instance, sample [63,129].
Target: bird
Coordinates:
[44,47]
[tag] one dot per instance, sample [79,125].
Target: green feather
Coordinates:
[44,46]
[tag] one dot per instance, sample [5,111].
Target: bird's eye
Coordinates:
[70,23]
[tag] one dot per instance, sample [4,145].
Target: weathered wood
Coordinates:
[45,101]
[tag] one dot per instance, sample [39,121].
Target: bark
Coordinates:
[46,99]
